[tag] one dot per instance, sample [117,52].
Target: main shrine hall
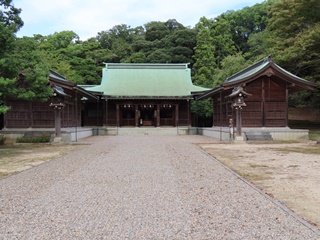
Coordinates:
[142,95]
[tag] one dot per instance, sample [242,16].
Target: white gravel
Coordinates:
[139,187]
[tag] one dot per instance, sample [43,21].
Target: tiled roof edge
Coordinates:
[147,65]
[249,68]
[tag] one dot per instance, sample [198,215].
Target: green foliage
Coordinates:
[33,81]
[3,109]
[9,16]
[156,31]
[215,48]
[294,34]
[2,139]
[222,40]
[10,23]
[205,61]
[202,108]
[293,38]
[247,22]
[137,57]
[229,66]
[41,138]
[3,89]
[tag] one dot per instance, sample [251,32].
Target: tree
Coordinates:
[205,61]
[222,40]
[229,66]
[205,64]
[156,31]
[10,23]
[33,80]
[246,22]
[293,37]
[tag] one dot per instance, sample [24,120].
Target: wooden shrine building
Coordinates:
[142,95]
[34,114]
[268,86]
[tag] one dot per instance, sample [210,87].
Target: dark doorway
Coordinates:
[147,115]
[128,116]
[167,116]
[1,121]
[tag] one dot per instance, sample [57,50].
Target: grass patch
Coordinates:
[293,166]
[253,177]
[11,150]
[19,157]
[314,135]
[254,165]
[309,150]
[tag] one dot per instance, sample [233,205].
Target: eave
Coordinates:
[148,97]
[210,93]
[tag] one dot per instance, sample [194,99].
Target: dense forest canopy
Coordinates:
[214,48]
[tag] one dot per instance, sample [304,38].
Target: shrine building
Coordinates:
[263,89]
[142,95]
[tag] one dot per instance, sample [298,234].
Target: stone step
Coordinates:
[147,131]
[258,136]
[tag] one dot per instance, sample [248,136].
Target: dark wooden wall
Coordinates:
[23,114]
[266,107]
[222,110]
[105,112]
[92,113]
[184,113]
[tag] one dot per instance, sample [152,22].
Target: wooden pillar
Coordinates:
[57,121]
[287,105]
[118,115]
[158,115]
[104,112]
[189,114]
[76,113]
[30,115]
[5,118]
[220,111]
[57,108]
[177,116]
[68,115]
[239,121]
[136,115]
[263,102]
[97,113]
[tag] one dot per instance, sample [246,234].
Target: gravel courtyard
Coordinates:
[140,187]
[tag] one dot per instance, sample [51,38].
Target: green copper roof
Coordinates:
[146,80]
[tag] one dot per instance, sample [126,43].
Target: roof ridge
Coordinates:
[57,74]
[147,65]
[262,61]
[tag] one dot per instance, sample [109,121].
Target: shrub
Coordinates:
[2,139]
[41,138]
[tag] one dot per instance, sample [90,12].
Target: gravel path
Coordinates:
[139,187]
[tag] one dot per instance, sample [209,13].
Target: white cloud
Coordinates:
[87,18]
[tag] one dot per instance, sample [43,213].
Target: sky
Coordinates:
[88,17]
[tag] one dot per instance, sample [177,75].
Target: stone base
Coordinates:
[239,139]
[57,140]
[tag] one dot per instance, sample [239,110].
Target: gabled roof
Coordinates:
[55,75]
[263,67]
[123,80]
[60,83]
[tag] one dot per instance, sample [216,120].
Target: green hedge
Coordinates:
[41,138]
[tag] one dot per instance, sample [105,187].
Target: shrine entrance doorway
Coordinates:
[147,115]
